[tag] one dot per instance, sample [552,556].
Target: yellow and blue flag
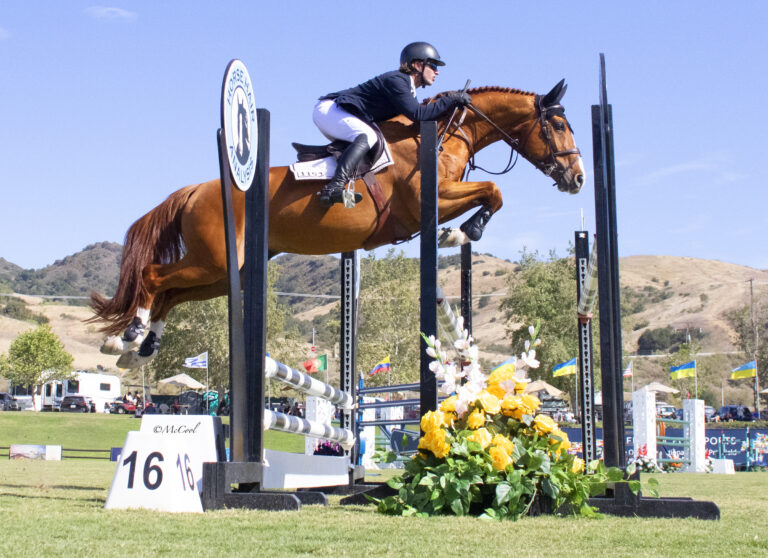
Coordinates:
[748,370]
[687,370]
[383,366]
[565,368]
[507,365]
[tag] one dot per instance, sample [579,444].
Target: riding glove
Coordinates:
[460,98]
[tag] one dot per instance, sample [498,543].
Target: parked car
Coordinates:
[663,410]
[122,407]
[709,413]
[735,412]
[679,414]
[78,404]
[8,402]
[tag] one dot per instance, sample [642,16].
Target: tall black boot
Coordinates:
[345,168]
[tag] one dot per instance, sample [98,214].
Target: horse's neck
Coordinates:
[511,111]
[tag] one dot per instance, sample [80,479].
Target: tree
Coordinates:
[389,317]
[36,357]
[546,291]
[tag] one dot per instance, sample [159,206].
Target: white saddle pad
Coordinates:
[323,169]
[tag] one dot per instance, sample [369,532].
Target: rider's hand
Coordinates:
[460,98]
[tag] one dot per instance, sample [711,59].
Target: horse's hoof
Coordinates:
[132,360]
[113,345]
[451,237]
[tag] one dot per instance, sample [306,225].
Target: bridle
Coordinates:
[548,166]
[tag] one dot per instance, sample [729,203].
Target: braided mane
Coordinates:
[485,89]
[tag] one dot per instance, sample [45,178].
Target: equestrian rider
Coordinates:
[347,115]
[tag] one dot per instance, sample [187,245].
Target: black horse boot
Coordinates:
[475,225]
[345,168]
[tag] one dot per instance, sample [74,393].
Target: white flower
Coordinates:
[431,352]
[527,344]
[437,369]
[529,359]
[508,386]
[531,331]
[537,343]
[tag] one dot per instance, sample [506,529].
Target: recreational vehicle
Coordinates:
[102,388]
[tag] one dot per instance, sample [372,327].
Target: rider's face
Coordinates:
[425,74]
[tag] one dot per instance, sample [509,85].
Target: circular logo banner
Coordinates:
[238,120]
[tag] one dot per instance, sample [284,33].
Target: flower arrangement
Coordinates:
[487,452]
[646,464]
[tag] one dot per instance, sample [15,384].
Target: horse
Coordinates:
[176,252]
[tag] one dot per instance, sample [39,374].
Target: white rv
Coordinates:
[102,388]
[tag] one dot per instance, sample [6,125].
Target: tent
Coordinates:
[182,380]
[541,385]
[660,388]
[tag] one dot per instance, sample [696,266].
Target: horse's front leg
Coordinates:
[455,198]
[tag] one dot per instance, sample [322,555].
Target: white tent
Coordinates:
[660,388]
[541,385]
[182,380]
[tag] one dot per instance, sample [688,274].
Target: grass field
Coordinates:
[55,508]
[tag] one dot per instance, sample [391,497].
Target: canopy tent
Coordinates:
[541,385]
[765,391]
[182,380]
[660,388]
[599,397]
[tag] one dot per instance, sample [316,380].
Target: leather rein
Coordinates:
[548,166]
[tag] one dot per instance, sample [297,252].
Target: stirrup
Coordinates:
[339,195]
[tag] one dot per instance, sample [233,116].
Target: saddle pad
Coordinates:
[323,169]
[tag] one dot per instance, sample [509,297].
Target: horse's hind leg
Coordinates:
[163,304]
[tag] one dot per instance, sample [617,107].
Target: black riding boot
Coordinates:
[346,166]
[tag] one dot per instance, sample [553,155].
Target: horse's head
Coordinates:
[549,143]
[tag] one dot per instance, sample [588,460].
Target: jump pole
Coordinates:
[619,500]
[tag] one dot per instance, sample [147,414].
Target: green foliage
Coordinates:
[16,309]
[749,324]
[389,317]
[35,357]
[544,290]
[665,339]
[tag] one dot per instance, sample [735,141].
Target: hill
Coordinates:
[684,293]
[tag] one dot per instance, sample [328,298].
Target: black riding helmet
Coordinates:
[420,51]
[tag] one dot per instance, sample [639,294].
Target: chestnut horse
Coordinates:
[176,252]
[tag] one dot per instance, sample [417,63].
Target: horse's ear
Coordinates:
[554,96]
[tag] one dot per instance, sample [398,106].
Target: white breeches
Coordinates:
[336,123]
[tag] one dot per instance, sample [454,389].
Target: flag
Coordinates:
[316,364]
[748,370]
[565,368]
[200,361]
[687,370]
[383,366]
[507,365]
[628,370]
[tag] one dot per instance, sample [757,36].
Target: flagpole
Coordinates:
[695,380]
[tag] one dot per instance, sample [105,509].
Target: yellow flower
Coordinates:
[449,405]
[504,443]
[500,380]
[500,458]
[520,387]
[564,442]
[476,419]
[482,437]
[578,465]
[532,402]
[490,402]
[435,441]
[544,424]
[432,420]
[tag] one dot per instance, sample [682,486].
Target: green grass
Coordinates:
[55,508]
[96,431]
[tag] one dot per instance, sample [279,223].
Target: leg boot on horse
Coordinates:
[345,169]
[475,225]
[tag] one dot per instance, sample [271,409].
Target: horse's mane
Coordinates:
[484,89]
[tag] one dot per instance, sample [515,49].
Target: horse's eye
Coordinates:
[559,125]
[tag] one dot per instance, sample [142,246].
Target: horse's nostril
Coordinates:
[580,180]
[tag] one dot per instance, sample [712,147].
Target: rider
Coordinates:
[347,115]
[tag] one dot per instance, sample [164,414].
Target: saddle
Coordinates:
[370,163]
[376,159]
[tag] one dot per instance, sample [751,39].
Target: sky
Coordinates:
[106,109]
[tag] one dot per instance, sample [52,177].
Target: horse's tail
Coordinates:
[154,238]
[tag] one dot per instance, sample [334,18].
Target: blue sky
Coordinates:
[108,108]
